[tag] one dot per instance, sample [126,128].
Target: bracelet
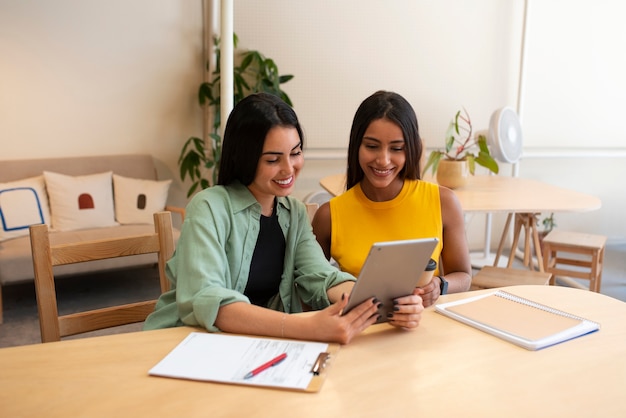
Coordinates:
[282,326]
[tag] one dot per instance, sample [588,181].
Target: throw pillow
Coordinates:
[136,200]
[79,202]
[22,203]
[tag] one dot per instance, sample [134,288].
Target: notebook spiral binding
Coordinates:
[524,301]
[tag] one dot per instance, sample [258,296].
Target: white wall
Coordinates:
[574,92]
[442,55]
[99,77]
[93,77]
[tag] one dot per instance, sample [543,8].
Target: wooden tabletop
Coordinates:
[503,194]
[443,368]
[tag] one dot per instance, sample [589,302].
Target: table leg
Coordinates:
[538,249]
[505,232]
[516,233]
[527,221]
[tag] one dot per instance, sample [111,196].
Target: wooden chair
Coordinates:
[311,208]
[46,256]
[574,254]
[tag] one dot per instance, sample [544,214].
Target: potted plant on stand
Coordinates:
[463,151]
[255,73]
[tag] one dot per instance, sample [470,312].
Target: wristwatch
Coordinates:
[444,286]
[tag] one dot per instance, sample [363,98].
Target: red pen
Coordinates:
[272,362]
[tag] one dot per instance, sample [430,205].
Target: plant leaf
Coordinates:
[482,144]
[487,161]
[433,161]
[471,163]
[456,122]
[449,143]
[247,60]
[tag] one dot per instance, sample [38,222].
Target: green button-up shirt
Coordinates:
[211,264]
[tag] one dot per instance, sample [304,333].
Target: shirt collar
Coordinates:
[245,199]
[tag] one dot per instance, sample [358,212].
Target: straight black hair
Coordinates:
[247,126]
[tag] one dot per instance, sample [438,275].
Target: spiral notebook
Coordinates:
[518,320]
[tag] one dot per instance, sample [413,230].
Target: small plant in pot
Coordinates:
[463,147]
[548,223]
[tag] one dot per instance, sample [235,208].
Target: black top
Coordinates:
[266,268]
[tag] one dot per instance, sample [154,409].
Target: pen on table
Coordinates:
[272,362]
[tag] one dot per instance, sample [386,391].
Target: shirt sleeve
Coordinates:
[200,267]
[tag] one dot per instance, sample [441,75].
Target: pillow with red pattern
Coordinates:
[80,202]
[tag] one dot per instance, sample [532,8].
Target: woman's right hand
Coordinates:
[330,325]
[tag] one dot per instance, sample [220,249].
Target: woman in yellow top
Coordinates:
[386,200]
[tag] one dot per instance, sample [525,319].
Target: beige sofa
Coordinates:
[15,254]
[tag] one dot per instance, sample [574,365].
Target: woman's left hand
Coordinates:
[429,293]
[407,312]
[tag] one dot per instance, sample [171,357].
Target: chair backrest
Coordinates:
[46,256]
[311,208]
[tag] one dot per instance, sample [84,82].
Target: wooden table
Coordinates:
[522,199]
[503,194]
[443,368]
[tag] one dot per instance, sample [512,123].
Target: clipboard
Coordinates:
[228,358]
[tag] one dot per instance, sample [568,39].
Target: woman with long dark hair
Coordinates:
[247,257]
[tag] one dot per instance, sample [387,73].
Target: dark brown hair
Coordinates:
[395,108]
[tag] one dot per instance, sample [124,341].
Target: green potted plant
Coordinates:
[253,73]
[464,149]
[548,224]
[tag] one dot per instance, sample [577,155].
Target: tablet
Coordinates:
[391,269]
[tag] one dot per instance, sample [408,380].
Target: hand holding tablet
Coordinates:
[392,269]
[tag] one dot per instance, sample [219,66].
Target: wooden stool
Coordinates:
[588,266]
[489,277]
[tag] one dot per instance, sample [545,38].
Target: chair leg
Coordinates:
[548,255]
[600,268]
[596,271]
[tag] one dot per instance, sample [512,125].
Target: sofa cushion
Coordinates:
[136,200]
[15,254]
[22,203]
[16,263]
[79,202]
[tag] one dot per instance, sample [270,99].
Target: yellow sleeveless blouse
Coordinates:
[358,222]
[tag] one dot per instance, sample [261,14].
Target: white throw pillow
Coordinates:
[136,200]
[80,202]
[22,203]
